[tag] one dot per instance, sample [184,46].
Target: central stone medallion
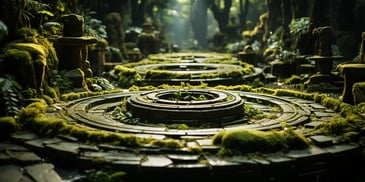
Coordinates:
[193,107]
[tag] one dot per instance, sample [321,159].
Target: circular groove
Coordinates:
[293,113]
[161,106]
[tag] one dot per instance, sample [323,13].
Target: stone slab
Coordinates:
[11,172]
[43,173]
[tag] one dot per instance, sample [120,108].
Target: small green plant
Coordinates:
[252,112]
[105,174]
[299,25]
[63,83]
[183,126]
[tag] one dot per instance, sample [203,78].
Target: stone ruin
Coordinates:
[353,74]
[72,51]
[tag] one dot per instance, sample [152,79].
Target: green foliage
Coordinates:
[253,113]
[105,174]
[45,12]
[99,84]
[51,30]
[126,76]
[94,27]
[299,26]
[185,95]
[33,8]
[8,125]
[63,83]
[182,127]
[10,96]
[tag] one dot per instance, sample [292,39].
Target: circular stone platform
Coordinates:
[190,56]
[193,107]
[327,158]
[195,73]
[96,112]
[195,69]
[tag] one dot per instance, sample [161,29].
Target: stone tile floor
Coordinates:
[27,157]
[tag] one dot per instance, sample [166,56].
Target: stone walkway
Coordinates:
[28,157]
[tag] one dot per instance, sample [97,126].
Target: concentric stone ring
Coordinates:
[195,69]
[184,106]
[195,73]
[95,112]
[190,57]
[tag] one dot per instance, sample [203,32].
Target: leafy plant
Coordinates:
[299,26]
[94,27]
[106,174]
[63,83]
[3,30]
[10,96]
[99,84]
[33,8]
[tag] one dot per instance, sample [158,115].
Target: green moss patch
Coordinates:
[246,140]
[8,125]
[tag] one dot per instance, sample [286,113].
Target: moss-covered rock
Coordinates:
[8,125]
[358,91]
[19,63]
[246,140]
[32,65]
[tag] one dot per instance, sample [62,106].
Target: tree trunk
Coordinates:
[199,22]
[299,8]
[243,12]
[319,13]
[285,21]
[10,14]
[138,12]
[221,15]
[274,17]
